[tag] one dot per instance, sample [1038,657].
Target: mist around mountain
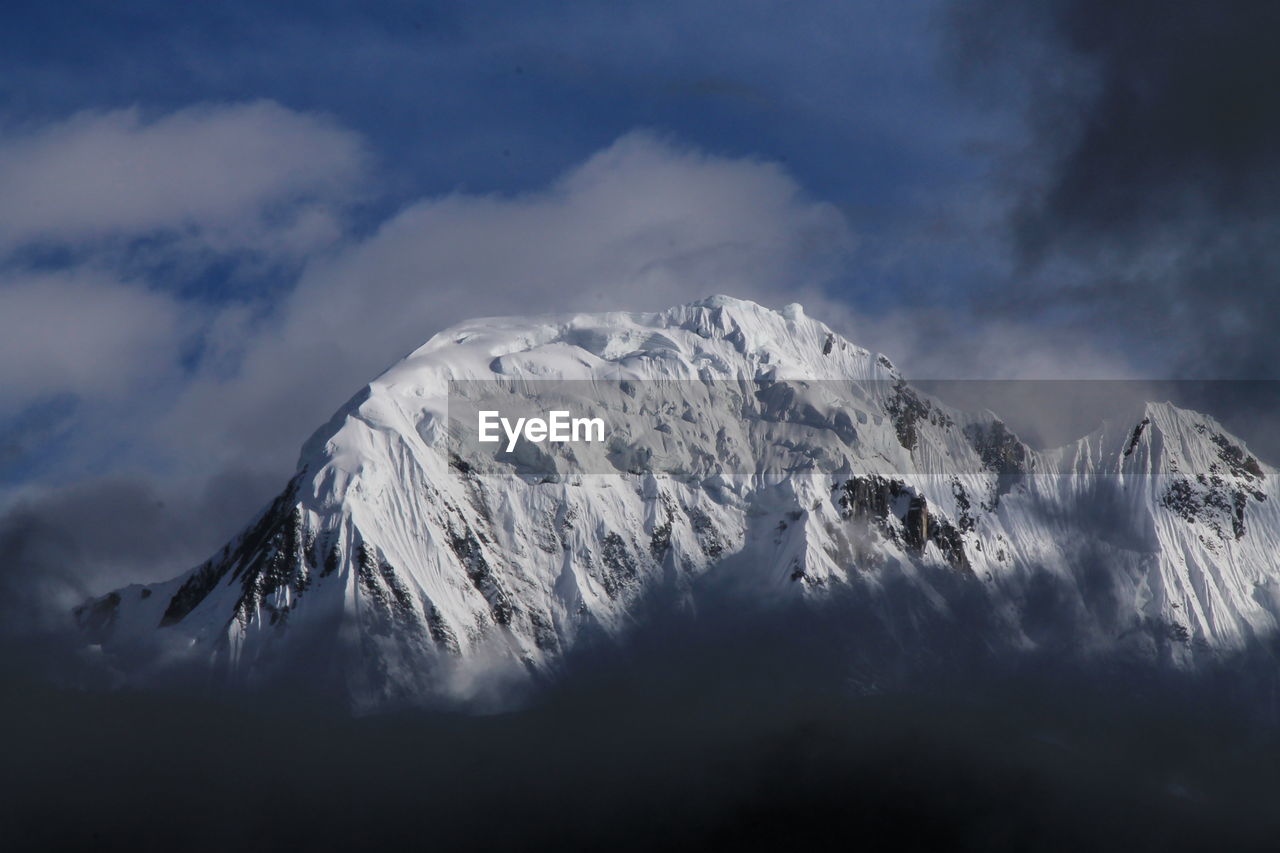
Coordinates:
[754,460]
[793,599]
[746,739]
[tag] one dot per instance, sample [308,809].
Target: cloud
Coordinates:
[231,176]
[643,224]
[950,342]
[85,334]
[1145,207]
[108,531]
[110,225]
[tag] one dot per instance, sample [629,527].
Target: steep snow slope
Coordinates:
[400,565]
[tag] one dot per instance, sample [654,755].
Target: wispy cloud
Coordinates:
[174,393]
[1143,209]
[83,333]
[252,176]
[642,225]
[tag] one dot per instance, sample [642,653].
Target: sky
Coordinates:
[218,221]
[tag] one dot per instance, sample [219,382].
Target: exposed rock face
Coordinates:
[908,410]
[1217,499]
[1002,454]
[407,570]
[1137,436]
[900,515]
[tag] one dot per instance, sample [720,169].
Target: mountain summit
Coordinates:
[404,564]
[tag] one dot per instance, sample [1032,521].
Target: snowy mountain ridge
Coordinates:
[758,443]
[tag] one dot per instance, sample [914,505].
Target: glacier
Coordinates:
[763,453]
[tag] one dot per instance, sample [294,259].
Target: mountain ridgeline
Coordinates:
[753,457]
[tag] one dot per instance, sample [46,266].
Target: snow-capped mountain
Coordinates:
[403,566]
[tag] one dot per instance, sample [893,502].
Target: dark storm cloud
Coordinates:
[1147,205]
[732,730]
[64,544]
[60,546]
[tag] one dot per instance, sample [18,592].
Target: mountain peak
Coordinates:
[423,571]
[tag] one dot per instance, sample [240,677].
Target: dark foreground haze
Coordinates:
[754,741]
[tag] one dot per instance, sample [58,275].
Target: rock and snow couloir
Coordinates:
[761,445]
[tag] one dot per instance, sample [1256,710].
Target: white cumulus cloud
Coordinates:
[643,224]
[234,176]
[84,334]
